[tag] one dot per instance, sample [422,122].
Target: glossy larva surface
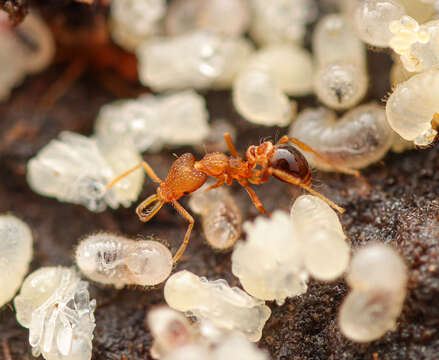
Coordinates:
[412,110]
[226,307]
[361,137]
[221,217]
[75,168]
[55,305]
[211,60]
[378,279]
[341,79]
[112,259]
[15,255]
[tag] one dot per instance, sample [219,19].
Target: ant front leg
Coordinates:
[254,198]
[183,212]
[230,145]
[308,148]
[147,169]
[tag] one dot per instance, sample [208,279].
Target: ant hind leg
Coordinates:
[254,198]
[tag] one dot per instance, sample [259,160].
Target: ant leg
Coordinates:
[218,184]
[145,166]
[254,198]
[182,211]
[294,181]
[145,216]
[308,148]
[230,145]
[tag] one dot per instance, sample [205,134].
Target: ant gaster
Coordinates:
[186,175]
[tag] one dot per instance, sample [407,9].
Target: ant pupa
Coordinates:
[225,17]
[378,280]
[412,111]
[15,255]
[75,168]
[176,119]
[261,162]
[211,60]
[133,22]
[54,304]
[226,307]
[341,79]
[112,259]
[361,137]
[221,217]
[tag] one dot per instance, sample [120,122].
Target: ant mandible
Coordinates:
[186,175]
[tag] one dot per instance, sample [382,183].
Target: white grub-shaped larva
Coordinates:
[371,19]
[225,17]
[15,255]
[361,137]
[76,169]
[326,253]
[421,10]
[197,59]
[341,79]
[221,217]
[25,49]
[226,307]
[170,330]
[134,21]
[260,99]
[151,121]
[260,90]
[412,109]
[281,21]
[54,304]
[417,45]
[269,264]
[112,259]
[378,280]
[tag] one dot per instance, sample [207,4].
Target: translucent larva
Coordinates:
[112,259]
[15,255]
[132,22]
[211,60]
[55,305]
[412,110]
[226,307]
[341,78]
[25,49]
[281,21]
[326,252]
[371,19]
[378,280]
[151,121]
[226,17]
[361,137]
[221,217]
[76,169]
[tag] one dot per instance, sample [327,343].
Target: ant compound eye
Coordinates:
[290,160]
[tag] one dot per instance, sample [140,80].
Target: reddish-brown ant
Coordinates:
[186,175]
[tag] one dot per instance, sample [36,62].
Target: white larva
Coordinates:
[112,259]
[15,255]
[341,79]
[361,137]
[378,280]
[412,109]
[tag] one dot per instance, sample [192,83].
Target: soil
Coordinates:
[398,206]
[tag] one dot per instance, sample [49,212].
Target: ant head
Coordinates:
[259,154]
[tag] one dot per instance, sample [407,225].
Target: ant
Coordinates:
[186,175]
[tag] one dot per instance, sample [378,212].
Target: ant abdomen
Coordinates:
[290,160]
